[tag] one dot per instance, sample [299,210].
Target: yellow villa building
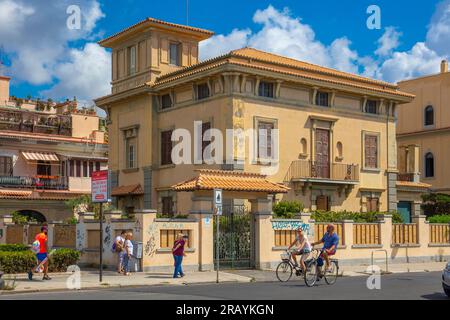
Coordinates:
[424,124]
[337,131]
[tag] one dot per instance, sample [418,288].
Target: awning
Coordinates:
[43,156]
[230,181]
[83,157]
[130,190]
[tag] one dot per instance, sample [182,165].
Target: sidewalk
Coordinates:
[90,280]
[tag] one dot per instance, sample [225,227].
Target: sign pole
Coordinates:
[217,246]
[218,212]
[101,240]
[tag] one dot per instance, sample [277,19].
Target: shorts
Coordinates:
[332,253]
[41,256]
[302,251]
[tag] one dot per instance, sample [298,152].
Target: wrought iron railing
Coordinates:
[37,182]
[332,171]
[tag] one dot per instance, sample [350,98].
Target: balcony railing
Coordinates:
[25,122]
[303,169]
[36,182]
[409,177]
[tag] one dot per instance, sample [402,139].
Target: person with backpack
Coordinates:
[40,248]
[118,248]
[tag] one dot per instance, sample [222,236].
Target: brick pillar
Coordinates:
[202,211]
[50,234]
[264,242]
[385,231]
[423,230]
[144,232]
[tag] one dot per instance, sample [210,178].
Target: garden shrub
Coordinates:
[436,204]
[443,218]
[287,209]
[15,260]
[361,217]
[62,258]
[13,247]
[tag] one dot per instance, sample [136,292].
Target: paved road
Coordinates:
[394,286]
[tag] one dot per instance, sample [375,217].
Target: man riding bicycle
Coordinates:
[330,242]
[303,248]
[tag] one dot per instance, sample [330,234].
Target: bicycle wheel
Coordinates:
[310,274]
[332,273]
[284,271]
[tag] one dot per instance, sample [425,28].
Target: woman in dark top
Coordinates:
[178,254]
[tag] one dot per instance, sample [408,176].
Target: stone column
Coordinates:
[348,233]
[423,230]
[51,234]
[81,233]
[202,211]
[3,221]
[385,231]
[263,232]
[144,232]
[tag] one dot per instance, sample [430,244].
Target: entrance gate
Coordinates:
[235,238]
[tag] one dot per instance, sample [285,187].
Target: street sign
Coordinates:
[99,186]
[218,196]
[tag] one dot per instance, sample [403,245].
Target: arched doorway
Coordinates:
[33,215]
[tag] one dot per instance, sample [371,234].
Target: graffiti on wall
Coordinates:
[107,238]
[80,239]
[292,225]
[151,244]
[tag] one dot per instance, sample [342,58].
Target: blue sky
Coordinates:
[45,59]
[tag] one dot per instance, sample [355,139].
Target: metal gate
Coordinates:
[235,238]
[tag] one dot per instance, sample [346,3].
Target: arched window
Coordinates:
[429,165]
[429,116]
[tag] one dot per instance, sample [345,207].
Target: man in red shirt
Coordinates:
[42,255]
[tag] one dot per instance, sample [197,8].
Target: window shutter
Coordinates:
[205,127]
[371,151]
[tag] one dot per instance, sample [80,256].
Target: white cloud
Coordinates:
[86,75]
[283,34]
[438,35]
[418,61]
[220,44]
[35,37]
[388,42]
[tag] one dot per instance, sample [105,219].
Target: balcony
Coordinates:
[36,182]
[15,120]
[302,170]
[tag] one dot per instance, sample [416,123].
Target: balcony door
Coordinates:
[322,153]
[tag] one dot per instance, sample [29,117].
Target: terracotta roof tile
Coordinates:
[230,181]
[134,189]
[38,194]
[252,58]
[152,21]
[413,184]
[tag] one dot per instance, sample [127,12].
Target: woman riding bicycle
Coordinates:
[303,248]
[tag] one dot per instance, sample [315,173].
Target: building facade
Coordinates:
[425,124]
[48,151]
[336,131]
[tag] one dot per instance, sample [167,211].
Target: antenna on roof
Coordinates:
[187,12]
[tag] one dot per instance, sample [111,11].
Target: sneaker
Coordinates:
[46,277]
[182,275]
[30,275]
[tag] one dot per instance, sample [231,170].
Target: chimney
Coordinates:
[4,90]
[444,66]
